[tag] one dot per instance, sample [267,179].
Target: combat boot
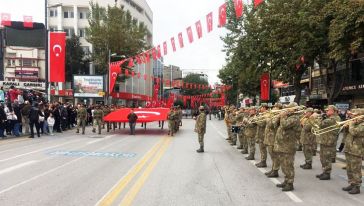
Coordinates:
[306,166]
[267,173]
[233,143]
[281,185]
[261,164]
[273,174]
[250,157]
[348,188]
[77,131]
[355,190]
[288,187]
[201,150]
[240,147]
[93,130]
[228,138]
[245,151]
[318,176]
[325,176]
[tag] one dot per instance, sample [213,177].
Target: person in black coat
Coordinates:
[2,121]
[34,120]
[57,118]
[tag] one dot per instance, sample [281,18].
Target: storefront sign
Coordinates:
[88,86]
[23,85]
[287,99]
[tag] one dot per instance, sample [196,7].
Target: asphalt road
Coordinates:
[151,169]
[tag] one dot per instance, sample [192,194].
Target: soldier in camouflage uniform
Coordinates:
[97,119]
[171,121]
[81,118]
[106,111]
[307,138]
[234,136]
[260,138]
[242,140]
[285,145]
[328,142]
[270,133]
[228,123]
[354,152]
[200,128]
[249,132]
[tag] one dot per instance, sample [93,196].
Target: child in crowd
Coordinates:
[50,122]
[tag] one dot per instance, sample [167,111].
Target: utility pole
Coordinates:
[46,49]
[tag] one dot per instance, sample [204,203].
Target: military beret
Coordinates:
[333,107]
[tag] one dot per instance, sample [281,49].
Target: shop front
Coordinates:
[353,94]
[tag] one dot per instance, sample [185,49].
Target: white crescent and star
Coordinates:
[54,49]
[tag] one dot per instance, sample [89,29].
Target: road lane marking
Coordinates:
[130,196]
[52,170]
[18,166]
[5,141]
[114,192]
[101,139]
[39,150]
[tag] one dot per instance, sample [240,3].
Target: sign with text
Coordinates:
[23,85]
[88,86]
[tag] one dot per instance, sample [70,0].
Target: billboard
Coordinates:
[88,86]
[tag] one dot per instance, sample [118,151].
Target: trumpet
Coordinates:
[336,127]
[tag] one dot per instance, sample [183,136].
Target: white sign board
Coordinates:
[23,85]
[88,86]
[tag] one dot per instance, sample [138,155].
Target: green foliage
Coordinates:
[76,61]
[179,102]
[195,79]
[113,29]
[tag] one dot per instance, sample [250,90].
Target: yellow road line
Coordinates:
[130,196]
[110,197]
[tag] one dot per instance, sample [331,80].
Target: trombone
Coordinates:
[336,127]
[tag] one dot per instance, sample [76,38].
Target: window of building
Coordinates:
[81,32]
[9,63]
[13,62]
[52,29]
[69,32]
[53,13]
[27,62]
[86,50]
[72,14]
[68,14]
[82,16]
[65,14]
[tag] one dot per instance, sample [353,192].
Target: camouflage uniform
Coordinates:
[106,111]
[97,120]
[262,147]
[81,119]
[270,133]
[228,124]
[171,122]
[327,143]
[200,129]
[285,147]
[249,132]
[308,140]
[242,140]
[354,152]
[234,136]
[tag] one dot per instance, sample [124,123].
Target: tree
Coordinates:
[113,29]
[195,79]
[76,61]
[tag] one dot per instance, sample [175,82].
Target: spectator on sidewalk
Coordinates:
[50,121]
[2,95]
[34,120]
[25,117]
[2,121]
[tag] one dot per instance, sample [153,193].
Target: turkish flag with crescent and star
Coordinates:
[265,87]
[239,8]
[257,3]
[209,22]
[180,39]
[115,70]
[165,48]
[28,22]
[159,52]
[199,29]
[5,19]
[222,15]
[57,55]
[190,34]
[173,42]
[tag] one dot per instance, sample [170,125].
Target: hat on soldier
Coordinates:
[333,107]
[316,110]
[310,109]
[263,105]
[201,107]
[278,105]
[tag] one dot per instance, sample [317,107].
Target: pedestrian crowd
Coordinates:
[281,131]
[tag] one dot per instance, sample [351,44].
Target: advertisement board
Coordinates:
[88,86]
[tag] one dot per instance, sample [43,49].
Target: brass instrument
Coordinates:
[338,126]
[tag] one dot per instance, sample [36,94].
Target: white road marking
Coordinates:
[291,195]
[99,140]
[18,166]
[39,150]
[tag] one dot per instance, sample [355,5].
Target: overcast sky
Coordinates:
[170,18]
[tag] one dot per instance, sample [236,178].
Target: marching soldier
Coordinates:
[307,138]
[270,134]
[106,111]
[200,128]
[249,133]
[242,140]
[354,152]
[81,118]
[328,142]
[228,123]
[260,138]
[234,137]
[171,121]
[285,145]
[97,119]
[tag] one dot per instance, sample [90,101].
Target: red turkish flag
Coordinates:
[145,76]
[173,42]
[222,15]
[138,75]
[28,21]
[126,72]
[209,22]
[199,29]
[265,87]
[57,56]
[159,53]
[165,48]
[190,34]
[138,59]
[154,53]
[147,57]
[5,19]
[115,70]
[257,3]
[239,8]
[132,73]
[180,40]
[131,63]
